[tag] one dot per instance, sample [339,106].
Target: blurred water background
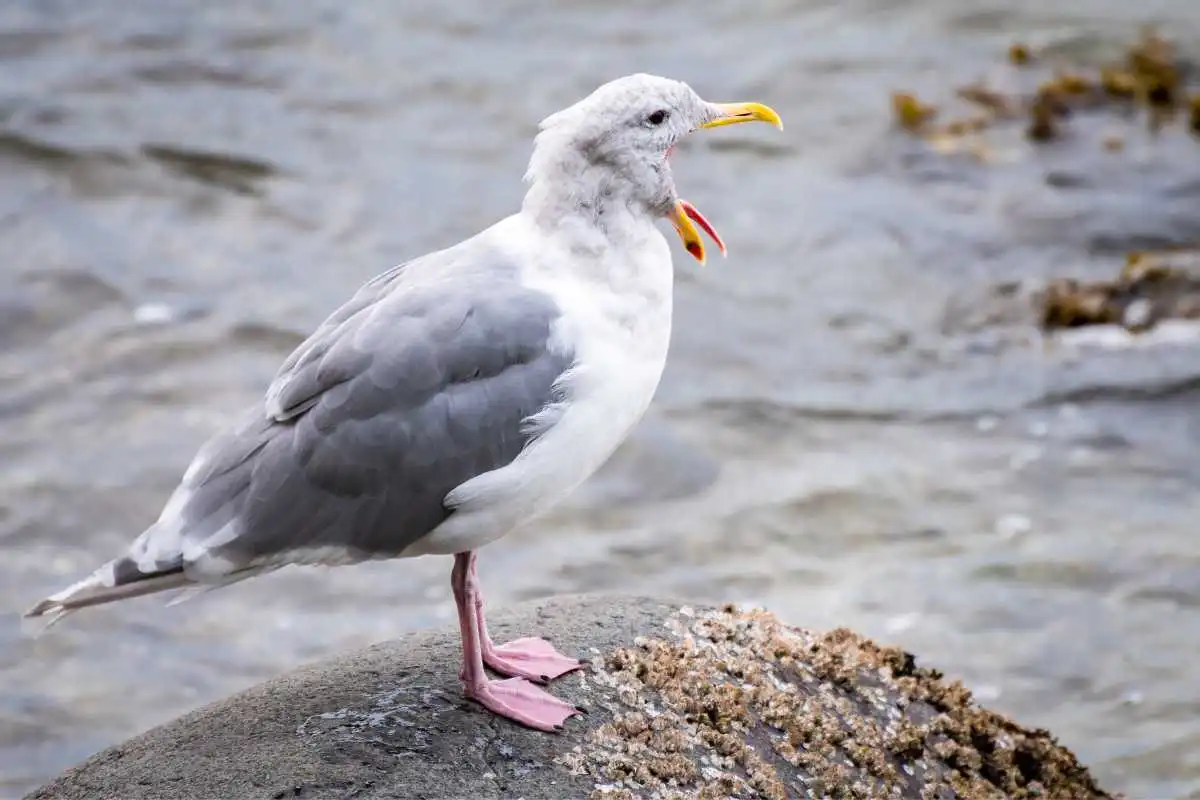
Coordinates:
[850,430]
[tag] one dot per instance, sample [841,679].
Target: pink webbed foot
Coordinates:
[531,658]
[519,700]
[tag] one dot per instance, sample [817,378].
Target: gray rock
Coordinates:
[684,702]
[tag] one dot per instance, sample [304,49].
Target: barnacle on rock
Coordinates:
[738,705]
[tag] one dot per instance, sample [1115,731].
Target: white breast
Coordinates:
[617,319]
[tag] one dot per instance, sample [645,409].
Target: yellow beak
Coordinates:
[685,216]
[733,113]
[682,216]
[687,231]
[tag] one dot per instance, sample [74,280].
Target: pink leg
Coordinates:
[530,657]
[514,698]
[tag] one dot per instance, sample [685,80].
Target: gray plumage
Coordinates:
[460,395]
[423,380]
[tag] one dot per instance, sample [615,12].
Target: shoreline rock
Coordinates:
[683,701]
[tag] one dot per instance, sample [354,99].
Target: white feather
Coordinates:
[617,318]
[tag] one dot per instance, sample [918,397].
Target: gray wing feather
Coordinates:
[403,394]
[283,400]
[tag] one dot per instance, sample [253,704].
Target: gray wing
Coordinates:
[280,405]
[406,392]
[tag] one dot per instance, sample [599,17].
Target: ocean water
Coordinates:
[859,425]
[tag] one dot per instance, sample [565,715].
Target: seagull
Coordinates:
[459,394]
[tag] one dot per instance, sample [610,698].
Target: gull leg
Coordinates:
[513,698]
[530,657]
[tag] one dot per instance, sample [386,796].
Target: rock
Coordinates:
[684,702]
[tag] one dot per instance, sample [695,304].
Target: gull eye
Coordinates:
[658,117]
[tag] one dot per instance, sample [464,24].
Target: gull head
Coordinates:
[612,149]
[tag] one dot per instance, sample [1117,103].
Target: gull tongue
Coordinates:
[695,215]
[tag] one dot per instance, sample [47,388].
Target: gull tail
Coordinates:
[118,580]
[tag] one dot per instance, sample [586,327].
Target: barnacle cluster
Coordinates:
[738,705]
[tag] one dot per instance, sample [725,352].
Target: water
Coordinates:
[853,428]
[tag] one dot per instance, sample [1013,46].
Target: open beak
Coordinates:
[733,113]
[684,216]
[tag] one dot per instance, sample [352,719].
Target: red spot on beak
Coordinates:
[695,215]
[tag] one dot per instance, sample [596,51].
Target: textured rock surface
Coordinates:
[684,702]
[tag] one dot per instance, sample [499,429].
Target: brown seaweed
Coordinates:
[1151,77]
[1151,287]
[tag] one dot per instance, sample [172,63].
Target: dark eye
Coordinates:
[658,117]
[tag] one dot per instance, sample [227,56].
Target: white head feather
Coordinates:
[611,147]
